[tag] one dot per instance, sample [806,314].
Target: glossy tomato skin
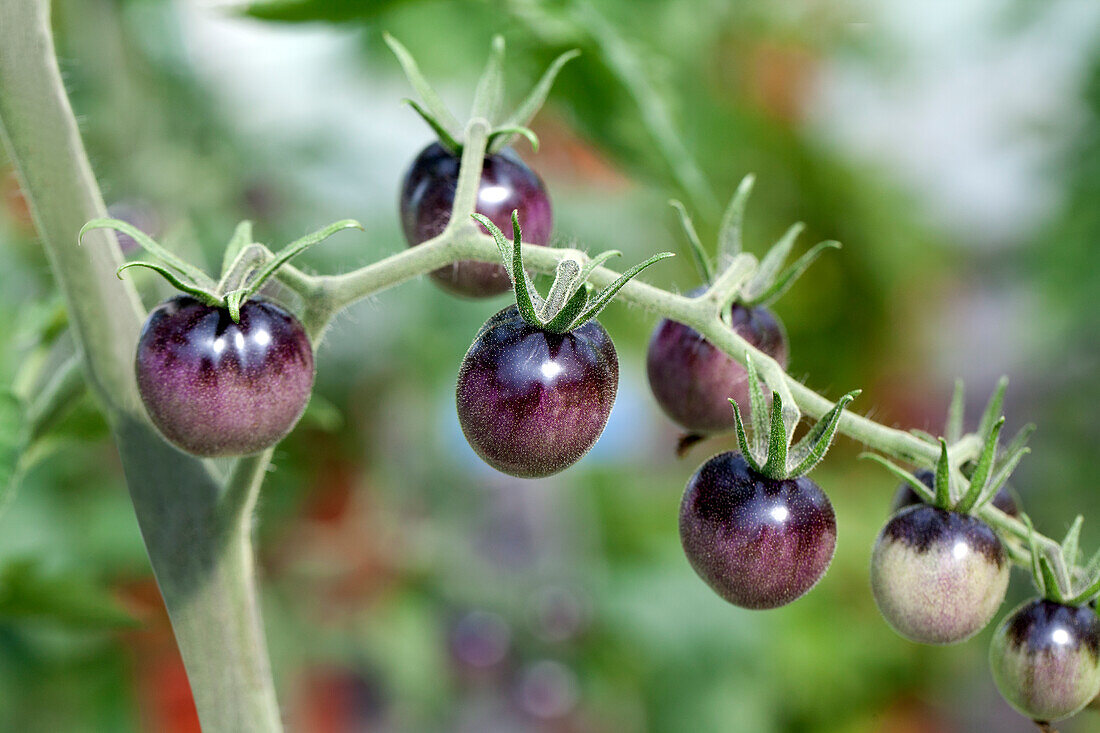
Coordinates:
[218,388]
[693,381]
[530,402]
[906,496]
[938,576]
[1045,659]
[507,184]
[758,542]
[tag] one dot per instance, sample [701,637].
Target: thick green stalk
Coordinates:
[203,564]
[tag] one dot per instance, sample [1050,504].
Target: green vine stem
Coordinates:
[196,527]
[329,294]
[204,567]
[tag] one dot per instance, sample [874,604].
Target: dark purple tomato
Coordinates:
[218,388]
[1045,659]
[906,496]
[530,402]
[938,576]
[758,542]
[693,381]
[507,184]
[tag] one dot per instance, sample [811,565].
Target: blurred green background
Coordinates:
[953,148]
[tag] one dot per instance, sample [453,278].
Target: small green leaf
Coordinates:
[294,249]
[1050,581]
[242,236]
[523,114]
[1020,439]
[993,408]
[1087,594]
[757,404]
[1093,565]
[446,139]
[489,94]
[811,449]
[1003,472]
[772,262]
[567,316]
[513,257]
[784,282]
[918,486]
[980,477]
[184,286]
[509,133]
[730,231]
[742,438]
[1071,543]
[565,277]
[600,301]
[233,303]
[942,483]
[197,276]
[594,262]
[776,464]
[431,100]
[953,430]
[698,253]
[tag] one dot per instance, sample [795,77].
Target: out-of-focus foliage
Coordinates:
[408,587]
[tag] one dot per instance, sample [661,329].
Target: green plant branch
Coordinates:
[329,294]
[203,567]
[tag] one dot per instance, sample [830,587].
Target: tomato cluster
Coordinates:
[222,372]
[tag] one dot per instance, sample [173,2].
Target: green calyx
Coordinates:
[771,453]
[769,280]
[570,303]
[246,265]
[1056,570]
[488,100]
[968,489]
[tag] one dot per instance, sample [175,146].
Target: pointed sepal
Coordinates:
[730,231]
[294,249]
[915,483]
[433,105]
[521,117]
[489,94]
[780,460]
[812,448]
[189,271]
[942,482]
[953,429]
[698,253]
[979,478]
[182,284]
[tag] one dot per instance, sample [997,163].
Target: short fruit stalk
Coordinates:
[690,378]
[507,184]
[537,385]
[756,529]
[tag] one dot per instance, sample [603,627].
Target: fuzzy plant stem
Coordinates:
[196,528]
[330,294]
